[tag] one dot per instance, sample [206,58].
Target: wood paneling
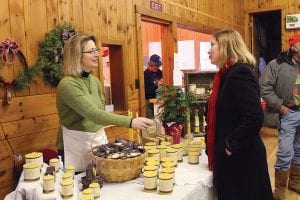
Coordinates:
[26,107]
[286,7]
[24,127]
[6,156]
[34,142]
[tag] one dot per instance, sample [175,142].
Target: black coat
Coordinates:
[239,117]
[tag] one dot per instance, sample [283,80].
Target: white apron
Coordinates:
[77,145]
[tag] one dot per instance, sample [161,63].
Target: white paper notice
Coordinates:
[205,64]
[186,52]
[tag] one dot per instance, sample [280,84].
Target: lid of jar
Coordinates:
[48,177]
[152,162]
[31,165]
[94,185]
[66,182]
[166,159]
[54,160]
[70,167]
[153,151]
[88,191]
[165,176]
[168,170]
[171,150]
[161,147]
[193,153]
[150,144]
[193,149]
[150,159]
[165,143]
[168,164]
[147,148]
[198,142]
[150,174]
[85,197]
[66,175]
[177,146]
[195,145]
[33,155]
[150,168]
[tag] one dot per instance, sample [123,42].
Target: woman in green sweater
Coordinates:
[80,104]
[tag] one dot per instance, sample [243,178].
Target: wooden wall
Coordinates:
[30,122]
[286,7]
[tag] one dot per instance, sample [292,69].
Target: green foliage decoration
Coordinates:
[176,105]
[50,55]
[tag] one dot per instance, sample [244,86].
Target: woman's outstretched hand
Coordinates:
[141,123]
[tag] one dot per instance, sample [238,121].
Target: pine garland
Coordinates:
[50,55]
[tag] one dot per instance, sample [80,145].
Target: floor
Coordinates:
[270,139]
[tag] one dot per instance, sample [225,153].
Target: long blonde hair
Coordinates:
[233,47]
[73,53]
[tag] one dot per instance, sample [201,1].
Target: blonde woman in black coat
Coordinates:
[235,150]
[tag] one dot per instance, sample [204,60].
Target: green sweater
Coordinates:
[80,104]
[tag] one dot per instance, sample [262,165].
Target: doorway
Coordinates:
[266,34]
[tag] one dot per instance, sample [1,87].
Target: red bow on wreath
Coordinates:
[6,47]
[10,46]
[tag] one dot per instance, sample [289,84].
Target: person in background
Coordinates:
[236,152]
[153,79]
[80,104]
[280,84]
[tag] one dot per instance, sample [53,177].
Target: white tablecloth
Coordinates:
[193,182]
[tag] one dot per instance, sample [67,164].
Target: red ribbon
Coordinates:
[6,47]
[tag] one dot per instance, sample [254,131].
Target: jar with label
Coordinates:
[186,144]
[153,163]
[150,168]
[151,144]
[154,153]
[70,169]
[162,151]
[196,122]
[34,157]
[147,148]
[150,180]
[166,159]
[55,163]
[96,189]
[67,176]
[168,165]
[179,148]
[66,188]
[194,157]
[169,170]
[31,171]
[88,192]
[85,197]
[171,152]
[197,145]
[48,184]
[192,88]
[150,159]
[165,183]
[167,144]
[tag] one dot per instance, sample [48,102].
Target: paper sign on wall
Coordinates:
[292,21]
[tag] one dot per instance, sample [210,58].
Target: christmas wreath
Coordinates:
[9,49]
[50,53]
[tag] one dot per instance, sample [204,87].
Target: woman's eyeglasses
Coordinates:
[92,51]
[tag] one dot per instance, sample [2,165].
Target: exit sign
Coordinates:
[155,6]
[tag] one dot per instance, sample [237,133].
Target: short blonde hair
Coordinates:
[233,47]
[73,53]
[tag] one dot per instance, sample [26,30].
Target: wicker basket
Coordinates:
[118,170]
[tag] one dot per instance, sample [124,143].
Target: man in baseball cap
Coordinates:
[152,80]
[280,88]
